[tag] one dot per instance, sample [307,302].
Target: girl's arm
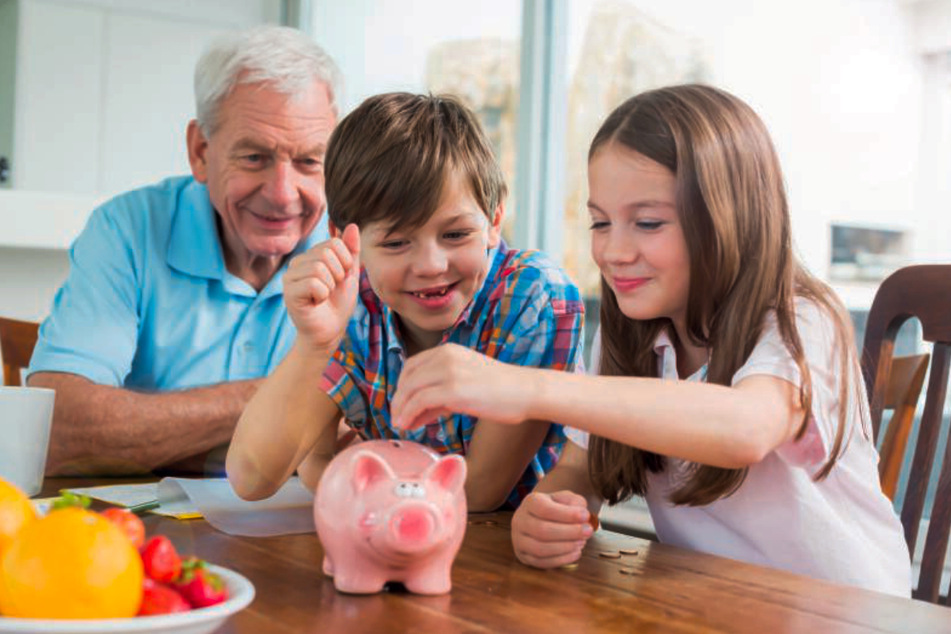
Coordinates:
[552,525]
[728,427]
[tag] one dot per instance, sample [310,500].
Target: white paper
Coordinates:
[288,511]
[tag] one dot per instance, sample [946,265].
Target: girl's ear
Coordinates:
[495,229]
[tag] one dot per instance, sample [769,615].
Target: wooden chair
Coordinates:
[17,339]
[905,380]
[923,292]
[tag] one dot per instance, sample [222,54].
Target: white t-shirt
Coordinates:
[842,528]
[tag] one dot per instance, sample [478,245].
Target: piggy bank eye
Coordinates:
[410,490]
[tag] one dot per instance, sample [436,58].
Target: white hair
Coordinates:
[283,57]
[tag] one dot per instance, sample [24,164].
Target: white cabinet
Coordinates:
[103,89]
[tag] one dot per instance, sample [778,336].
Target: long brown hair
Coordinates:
[732,206]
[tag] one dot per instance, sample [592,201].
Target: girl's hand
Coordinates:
[551,529]
[451,379]
[320,289]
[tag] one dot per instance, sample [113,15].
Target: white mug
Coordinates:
[26,415]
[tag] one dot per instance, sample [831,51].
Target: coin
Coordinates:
[571,566]
[627,571]
[628,551]
[593,520]
[610,554]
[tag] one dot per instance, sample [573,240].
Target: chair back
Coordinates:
[902,391]
[17,339]
[923,292]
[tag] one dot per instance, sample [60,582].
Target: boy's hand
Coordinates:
[320,289]
[551,529]
[451,379]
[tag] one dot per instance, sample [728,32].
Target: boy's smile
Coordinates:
[430,274]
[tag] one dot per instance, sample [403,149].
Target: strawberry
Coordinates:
[199,586]
[160,559]
[130,524]
[158,598]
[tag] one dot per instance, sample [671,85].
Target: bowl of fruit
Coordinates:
[76,570]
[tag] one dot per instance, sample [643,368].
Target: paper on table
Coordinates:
[288,511]
[135,494]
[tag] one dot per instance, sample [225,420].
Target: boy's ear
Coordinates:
[495,229]
[197,151]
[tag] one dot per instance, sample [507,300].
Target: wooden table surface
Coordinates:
[668,589]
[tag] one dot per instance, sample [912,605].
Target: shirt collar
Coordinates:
[667,360]
[194,247]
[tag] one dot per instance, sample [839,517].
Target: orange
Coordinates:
[71,564]
[16,511]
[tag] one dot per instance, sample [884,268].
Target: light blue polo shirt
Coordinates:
[148,303]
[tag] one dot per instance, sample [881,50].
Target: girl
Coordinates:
[730,394]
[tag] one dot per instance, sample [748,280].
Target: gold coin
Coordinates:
[594,521]
[571,566]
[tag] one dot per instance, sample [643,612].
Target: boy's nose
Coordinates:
[430,260]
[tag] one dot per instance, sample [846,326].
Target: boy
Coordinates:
[415,197]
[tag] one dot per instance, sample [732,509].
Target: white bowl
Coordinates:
[200,621]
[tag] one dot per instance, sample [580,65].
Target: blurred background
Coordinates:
[95,96]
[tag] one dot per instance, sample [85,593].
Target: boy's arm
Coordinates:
[289,417]
[498,456]
[286,421]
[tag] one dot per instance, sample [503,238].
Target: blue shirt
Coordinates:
[148,303]
[526,313]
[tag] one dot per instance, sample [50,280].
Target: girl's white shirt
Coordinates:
[842,528]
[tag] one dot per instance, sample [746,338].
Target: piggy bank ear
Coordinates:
[368,469]
[448,473]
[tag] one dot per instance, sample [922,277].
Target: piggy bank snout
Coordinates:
[414,525]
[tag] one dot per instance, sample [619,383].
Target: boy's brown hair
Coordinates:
[389,159]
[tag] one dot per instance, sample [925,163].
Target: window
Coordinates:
[423,46]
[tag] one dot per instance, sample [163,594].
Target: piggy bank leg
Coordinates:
[351,581]
[430,580]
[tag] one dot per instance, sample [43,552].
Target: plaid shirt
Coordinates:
[526,313]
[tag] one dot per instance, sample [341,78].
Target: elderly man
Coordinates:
[172,310]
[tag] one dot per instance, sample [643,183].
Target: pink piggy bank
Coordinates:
[391,510]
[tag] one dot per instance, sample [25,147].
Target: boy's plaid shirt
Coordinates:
[527,313]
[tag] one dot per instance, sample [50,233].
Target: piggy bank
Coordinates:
[391,510]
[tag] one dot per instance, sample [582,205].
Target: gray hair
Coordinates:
[285,58]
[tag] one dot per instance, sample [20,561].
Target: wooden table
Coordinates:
[669,590]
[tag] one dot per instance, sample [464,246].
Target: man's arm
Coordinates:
[108,430]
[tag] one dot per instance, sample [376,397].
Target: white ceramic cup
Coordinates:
[26,415]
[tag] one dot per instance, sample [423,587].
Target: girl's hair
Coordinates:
[732,206]
[284,58]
